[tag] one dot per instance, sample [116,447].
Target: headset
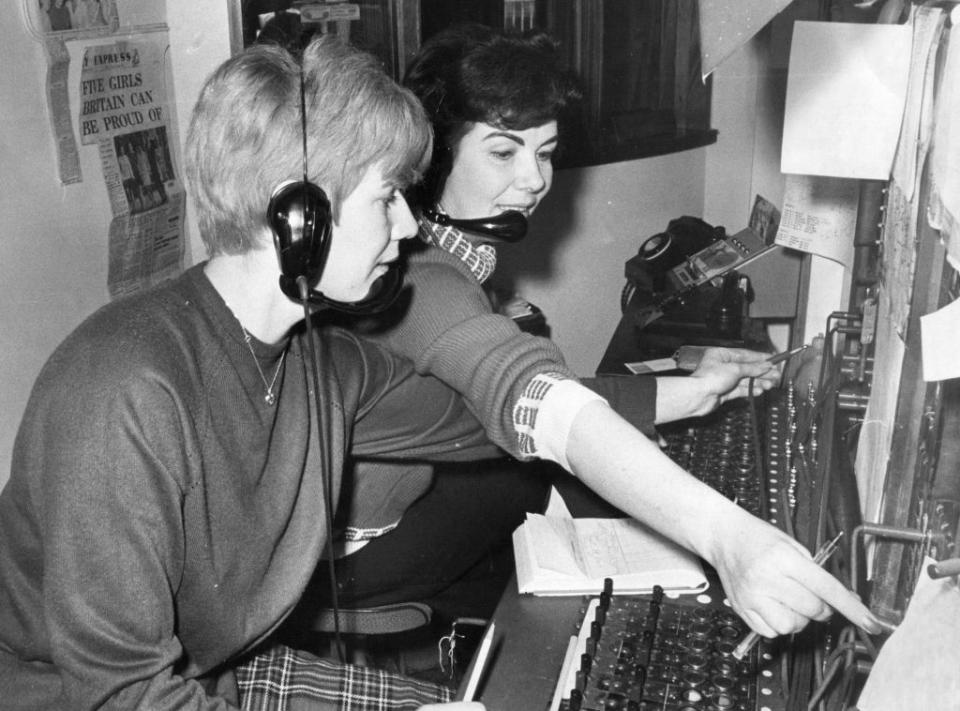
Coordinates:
[509,226]
[301,219]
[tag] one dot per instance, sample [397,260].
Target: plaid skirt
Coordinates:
[285,679]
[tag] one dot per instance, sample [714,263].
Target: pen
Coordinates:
[822,556]
[688,357]
[479,663]
[782,356]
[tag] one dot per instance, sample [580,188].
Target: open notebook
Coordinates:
[559,555]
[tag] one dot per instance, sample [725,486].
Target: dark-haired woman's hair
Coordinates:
[473,73]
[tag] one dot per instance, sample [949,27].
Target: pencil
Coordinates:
[782,356]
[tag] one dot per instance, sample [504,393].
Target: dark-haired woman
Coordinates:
[495,101]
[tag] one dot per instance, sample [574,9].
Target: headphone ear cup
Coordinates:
[300,217]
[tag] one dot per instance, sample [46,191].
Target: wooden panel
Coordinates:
[902,487]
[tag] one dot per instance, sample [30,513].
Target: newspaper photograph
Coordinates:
[147,200]
[52,16]
[138,170]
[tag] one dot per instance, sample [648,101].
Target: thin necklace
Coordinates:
[270,397]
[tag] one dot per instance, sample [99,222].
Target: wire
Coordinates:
[868,643]
[840,658]
[326,467]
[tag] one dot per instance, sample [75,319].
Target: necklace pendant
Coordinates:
[269,398]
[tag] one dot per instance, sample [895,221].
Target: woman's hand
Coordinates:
[773,583]
[770,579]
[727,371]
[722,374]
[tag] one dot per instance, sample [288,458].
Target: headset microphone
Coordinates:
[382,294]
[509,226]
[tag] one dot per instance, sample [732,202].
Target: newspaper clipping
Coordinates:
[124,109]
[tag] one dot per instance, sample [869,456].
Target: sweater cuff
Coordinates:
[544,414]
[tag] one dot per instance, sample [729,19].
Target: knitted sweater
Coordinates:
[445,324]
[161,519]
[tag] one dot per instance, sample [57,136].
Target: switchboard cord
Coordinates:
[325,439]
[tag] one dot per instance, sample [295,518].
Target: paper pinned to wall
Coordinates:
[126,109]
[944,207]
[940,343]
[58,101]
[726,25]
[92,18]
[819,216]
[846,89]
[899,248]
[917,125]
[876,431]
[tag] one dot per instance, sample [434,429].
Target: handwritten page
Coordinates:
[846,88]
[899,264]
[917,125]
[566,556]
[819,216]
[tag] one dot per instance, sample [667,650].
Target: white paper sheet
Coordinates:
[917,667]
[940,343]
[846,88]
[944,208]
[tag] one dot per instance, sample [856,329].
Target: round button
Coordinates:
[726,667]
[700,629]
[728,632]
[614,702]
[691,695]
[694,661]
[723,683]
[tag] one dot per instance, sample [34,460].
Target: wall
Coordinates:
[53,264]
[571,265]
[747,110]
[593,220]
[749,91]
